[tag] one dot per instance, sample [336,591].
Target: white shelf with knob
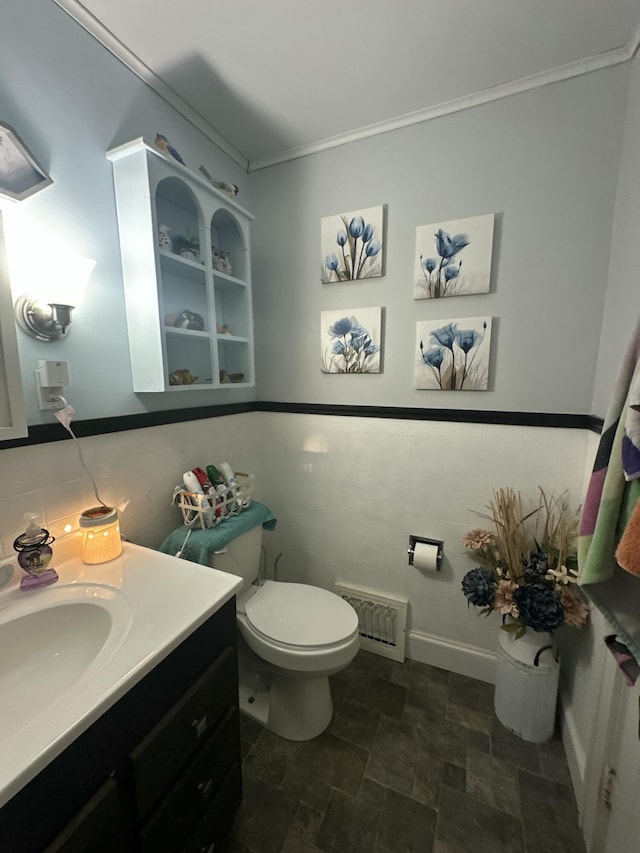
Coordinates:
[190,324]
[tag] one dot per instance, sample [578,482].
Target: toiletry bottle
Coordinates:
[214,475]
[227,472]
[204,481]
[217,480]
[230,479]
[34,554]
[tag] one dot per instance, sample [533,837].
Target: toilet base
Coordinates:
[294,708]
[299,708]
[254,703]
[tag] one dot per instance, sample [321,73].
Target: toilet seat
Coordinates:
[300,616]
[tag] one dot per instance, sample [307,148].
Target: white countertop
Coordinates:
[154,601]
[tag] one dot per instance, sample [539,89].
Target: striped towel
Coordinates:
[614,487]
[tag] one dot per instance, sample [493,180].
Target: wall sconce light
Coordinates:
[48,318]
[45,321]
[101,540]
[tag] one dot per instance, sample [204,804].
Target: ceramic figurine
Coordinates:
[187,245]
[164,145]
[164,241]
[228,189]
[221,260]
[190,254]
[189,320]
[182,377]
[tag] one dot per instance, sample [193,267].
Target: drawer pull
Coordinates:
[200,726]
[205,789]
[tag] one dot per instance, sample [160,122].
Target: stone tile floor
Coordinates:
[414,761]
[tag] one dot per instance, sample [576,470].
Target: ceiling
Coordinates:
[272,77]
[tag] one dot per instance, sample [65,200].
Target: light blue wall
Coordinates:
[546,162]
[71,100]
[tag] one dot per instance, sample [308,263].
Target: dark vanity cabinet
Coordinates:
[159,771]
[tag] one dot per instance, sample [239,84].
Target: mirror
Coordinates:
[13,423]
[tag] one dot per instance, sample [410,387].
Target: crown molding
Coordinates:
[131,61]
[633,44]
[90,23]
[486,96]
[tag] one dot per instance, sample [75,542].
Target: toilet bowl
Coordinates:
[292,637]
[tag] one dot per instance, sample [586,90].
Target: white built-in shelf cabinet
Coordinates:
[153,190]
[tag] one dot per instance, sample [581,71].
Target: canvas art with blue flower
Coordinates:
[453,258]
[453,355]
[352,245]
[353,345]
[527,568]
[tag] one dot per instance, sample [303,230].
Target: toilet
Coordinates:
[292,637]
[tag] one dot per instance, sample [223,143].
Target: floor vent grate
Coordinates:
[382,620]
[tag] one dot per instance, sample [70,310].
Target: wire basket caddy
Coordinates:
[206,511]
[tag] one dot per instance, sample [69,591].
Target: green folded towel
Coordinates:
[202,543]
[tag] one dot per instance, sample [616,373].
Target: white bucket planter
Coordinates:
[527,676]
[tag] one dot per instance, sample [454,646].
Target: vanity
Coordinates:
[122,733]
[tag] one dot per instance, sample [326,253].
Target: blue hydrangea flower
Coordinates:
[479,586]
[539,606]
[535,566]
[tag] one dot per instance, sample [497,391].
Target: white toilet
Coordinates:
[292,637]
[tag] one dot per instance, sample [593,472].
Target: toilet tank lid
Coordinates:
[301,615]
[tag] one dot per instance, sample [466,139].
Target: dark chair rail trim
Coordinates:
[43,433]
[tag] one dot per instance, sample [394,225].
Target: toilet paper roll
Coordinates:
[425,556]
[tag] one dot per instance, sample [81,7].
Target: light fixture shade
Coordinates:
[68,279]
[100,529]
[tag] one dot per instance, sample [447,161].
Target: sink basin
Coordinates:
[49,644]
[70,651]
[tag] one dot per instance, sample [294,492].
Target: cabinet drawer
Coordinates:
[96,828]
[159,758]
[215,823]
[177,813]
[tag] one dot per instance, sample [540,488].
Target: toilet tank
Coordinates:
[241,556]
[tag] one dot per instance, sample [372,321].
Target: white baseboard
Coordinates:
[573,746]
[453,656]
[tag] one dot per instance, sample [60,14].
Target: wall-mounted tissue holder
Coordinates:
[425,553]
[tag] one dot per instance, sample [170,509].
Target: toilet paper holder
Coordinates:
[413,541]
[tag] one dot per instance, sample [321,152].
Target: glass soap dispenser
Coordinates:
[34,554]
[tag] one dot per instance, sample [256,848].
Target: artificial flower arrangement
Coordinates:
[528,575]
